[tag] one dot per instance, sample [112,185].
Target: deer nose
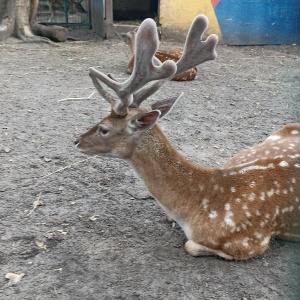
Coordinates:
[76,142]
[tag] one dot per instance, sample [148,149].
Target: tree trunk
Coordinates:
[54,33]
[17,18]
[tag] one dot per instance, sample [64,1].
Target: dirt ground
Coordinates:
[86,228]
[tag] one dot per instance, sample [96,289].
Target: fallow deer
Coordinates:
[233,211]
[72,6]
[160,57]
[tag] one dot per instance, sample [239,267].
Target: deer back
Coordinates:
[175,55]
[272,169]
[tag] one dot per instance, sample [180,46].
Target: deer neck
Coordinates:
[132,46]
[132,50]
[174,182]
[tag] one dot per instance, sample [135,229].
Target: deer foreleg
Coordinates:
[52,10]
[195,249]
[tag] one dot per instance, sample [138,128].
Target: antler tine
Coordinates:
[195,52]
[144,70]
[147,91]
[106,95]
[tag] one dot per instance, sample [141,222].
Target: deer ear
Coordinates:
[125,37]
[164,106]
[144,121]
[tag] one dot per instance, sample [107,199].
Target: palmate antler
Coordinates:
[135,90]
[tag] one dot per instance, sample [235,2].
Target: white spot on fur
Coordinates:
[248,223]
[228,220]
[255,167]
[274,137]
[265,241]
[233,189]
[205,203]
[213,214]
[262,196]
[270,192]
[244,226]
[252,184]
[201,187]
[286,209]
[283,164]
[251,196]
[295,132]
[216,187]
[245,243]
[276,183]
[276,211]
[248,214]
[227,245]
[258,235]
[245,207]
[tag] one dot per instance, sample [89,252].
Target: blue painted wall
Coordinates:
[298,31]
[255,22]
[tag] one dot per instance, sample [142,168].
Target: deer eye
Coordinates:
[103,131]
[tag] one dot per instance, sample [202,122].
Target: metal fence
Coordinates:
[64,12]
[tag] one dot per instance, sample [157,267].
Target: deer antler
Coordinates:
[134,90]
[195,52]
[144,70]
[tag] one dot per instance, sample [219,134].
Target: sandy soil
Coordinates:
[96,233]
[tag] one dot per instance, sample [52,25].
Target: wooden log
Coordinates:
[54,33]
